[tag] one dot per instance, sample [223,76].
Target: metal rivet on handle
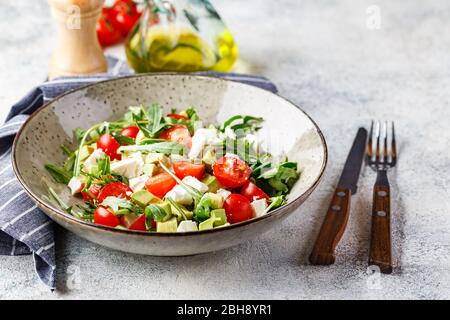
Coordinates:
[382,193]
[381,213]
[336,207]
[341,194]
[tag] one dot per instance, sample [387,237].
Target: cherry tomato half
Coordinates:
[130,131]
[177,116]
[184,168]
[238,208]
[92,192]
[105,217]
[252,192]
[109,145]
[160,184]
[133,222]
[124,16]
[231,171]
[106,33]
[178,133]
[115,189]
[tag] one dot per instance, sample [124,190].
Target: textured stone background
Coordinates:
[323,57]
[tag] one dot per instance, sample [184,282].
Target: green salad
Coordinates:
[152,171]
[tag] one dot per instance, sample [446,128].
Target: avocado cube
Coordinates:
[167,226]
[167,209]
[121,212]
[188,214]
[212,183]
[209,157]
[220,217]
[142,197]
[207,224]
[157,157]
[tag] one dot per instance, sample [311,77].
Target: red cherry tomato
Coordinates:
[231,171]
[133,222]
[106,33]
[115,189]
[160,184]
[130,132]
[183,169]
[252,192]
[177,116]
[109,145]
[178,133]
[92,192]
[105,217]
[125,15]
[238,208]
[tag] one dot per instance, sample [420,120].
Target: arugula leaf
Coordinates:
[281,178]
[124,140]
[115,203]
[79,133]
[159,147]
[155,212]
[244,125]
[177,208]
[276,202]
[103,165]
[58,173]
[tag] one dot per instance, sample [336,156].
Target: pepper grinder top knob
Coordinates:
[77,51]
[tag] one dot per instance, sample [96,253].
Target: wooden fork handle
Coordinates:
[332,229]
[380,242]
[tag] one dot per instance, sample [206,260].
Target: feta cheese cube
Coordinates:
[179,195]
[201,138]
[186,226]
[76,184]
[259,206]
[130,167]
[91,161]
[223,193]
[138,183]
[195,183]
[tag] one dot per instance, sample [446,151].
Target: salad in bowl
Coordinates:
[159,172]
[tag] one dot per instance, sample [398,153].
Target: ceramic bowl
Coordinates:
[287,129]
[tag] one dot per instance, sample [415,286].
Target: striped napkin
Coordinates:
[25,229]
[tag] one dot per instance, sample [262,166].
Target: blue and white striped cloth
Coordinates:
[24,229]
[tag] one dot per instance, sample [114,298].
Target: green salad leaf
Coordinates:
[159,147]
[58,173]
[282,177]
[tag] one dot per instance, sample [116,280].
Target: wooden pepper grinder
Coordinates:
[78,51]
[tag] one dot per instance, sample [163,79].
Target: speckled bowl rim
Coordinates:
[71,219]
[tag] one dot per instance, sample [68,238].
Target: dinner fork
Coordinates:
[381,161]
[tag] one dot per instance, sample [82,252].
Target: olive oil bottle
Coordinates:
[182,36]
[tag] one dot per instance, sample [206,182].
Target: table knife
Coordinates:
[335,221]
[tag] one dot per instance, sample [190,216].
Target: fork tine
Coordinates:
[385,146]
[369,143]
[393,146]
[377,153]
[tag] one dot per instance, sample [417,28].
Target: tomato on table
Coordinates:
[124,16]
[115,189]
[238,208]
[105,217]
[133,222]
[177,116]
[130,131]
[160,184]
[109,145]
[184,168]
[106,33]
[252,192]
[231,172]
[178,133]
[92,193]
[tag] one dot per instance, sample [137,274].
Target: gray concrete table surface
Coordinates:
[329,58]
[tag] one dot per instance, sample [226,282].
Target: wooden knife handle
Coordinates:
[380,242]
[332,229]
